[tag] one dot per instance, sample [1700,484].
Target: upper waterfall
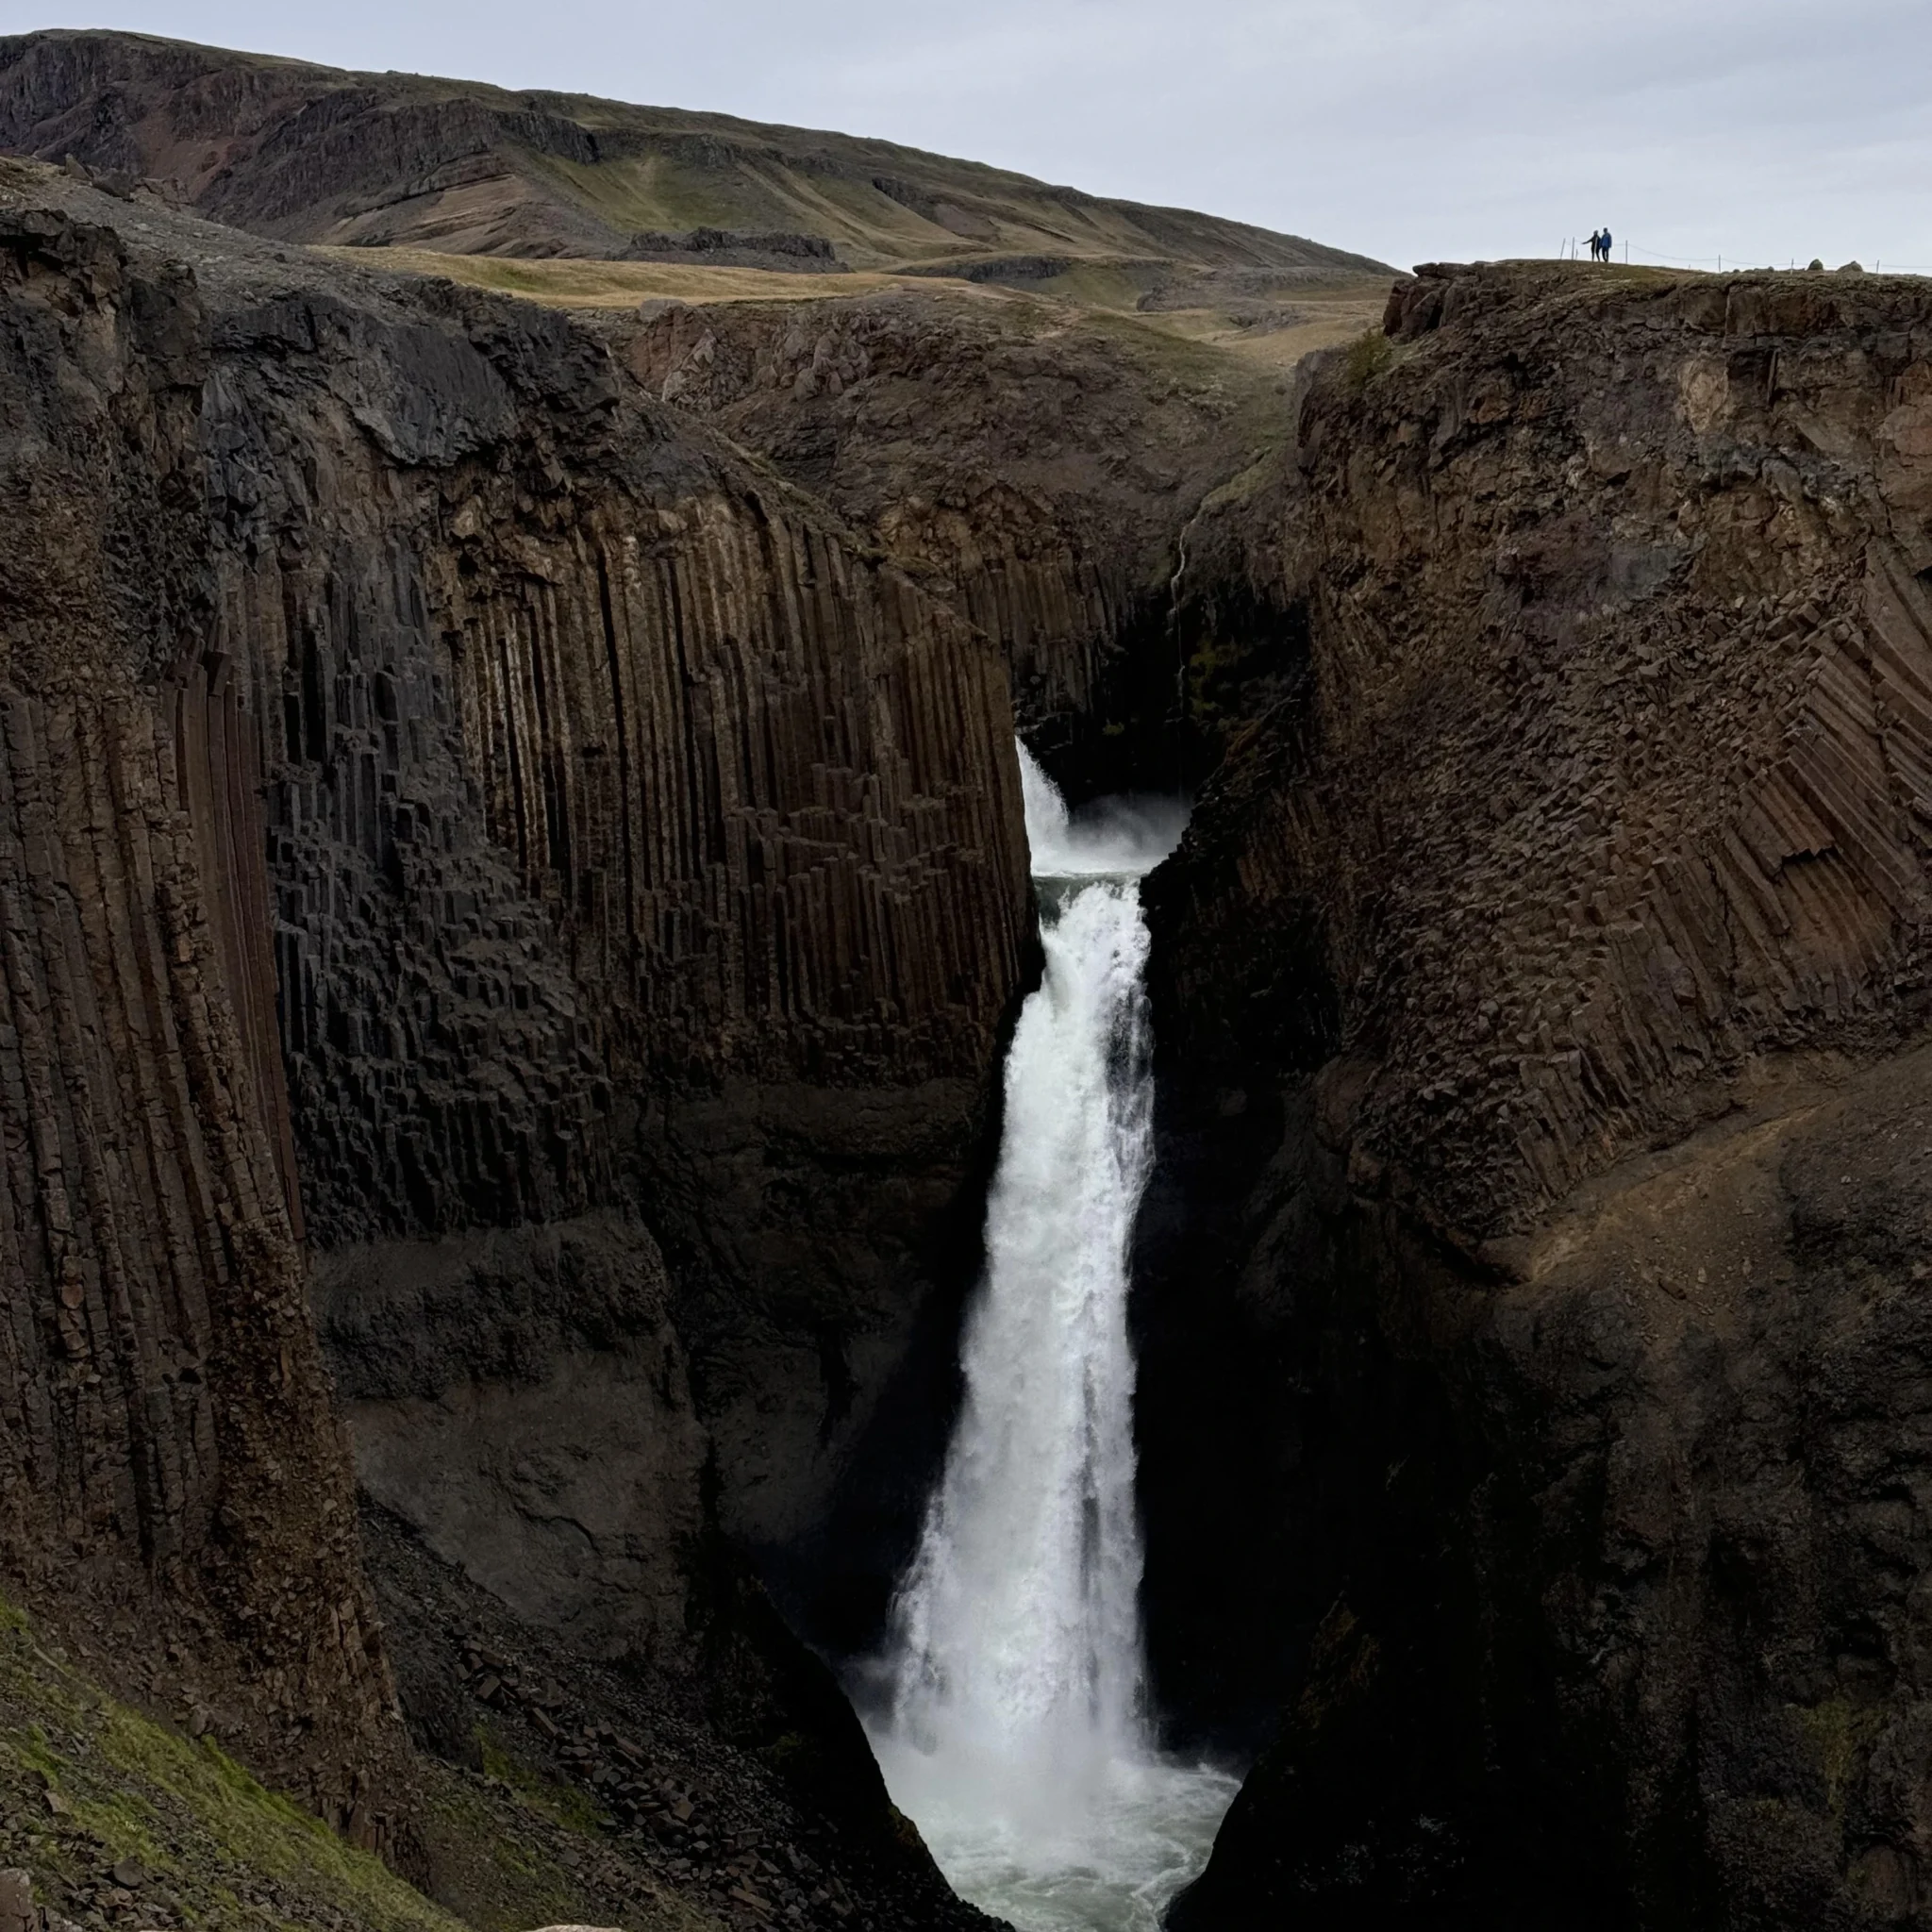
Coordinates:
[1123,836]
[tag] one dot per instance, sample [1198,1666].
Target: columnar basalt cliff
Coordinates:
[1542,981]
[166,1437]
[512,886]
[1690,687]
[627,821]
[637,843]
[1036,468]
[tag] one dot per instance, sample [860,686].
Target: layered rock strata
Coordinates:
[1540,982]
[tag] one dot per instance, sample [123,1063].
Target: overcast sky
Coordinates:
[1760,130]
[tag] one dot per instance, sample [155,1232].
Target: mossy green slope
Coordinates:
[88,1784]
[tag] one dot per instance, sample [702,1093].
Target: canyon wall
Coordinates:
[1038,469]
[1544,1191]
[637,841]
[625,864]
[170,1465]
[502,879]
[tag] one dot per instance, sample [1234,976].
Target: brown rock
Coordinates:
[444,793]
[1574,916]
[18,1912]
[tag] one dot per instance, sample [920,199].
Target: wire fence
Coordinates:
[1624,251]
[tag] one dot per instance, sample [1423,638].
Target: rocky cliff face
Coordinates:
[491,862]
[1541,982]
[169,1452]
[1037,470]
[636,839]
[629,825]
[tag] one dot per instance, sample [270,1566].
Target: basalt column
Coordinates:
[1546,982]
[646,854]
[165,1431]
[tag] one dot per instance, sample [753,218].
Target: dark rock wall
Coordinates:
[1617,765]
[522,1398]
[169,1462]
[612,776]
[1538,986]
[1037,470]
[637,840]
[640,848]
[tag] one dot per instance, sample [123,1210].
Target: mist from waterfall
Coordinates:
[1015,1731]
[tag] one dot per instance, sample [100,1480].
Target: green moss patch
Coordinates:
[1369,354]
[87,1783]
[567,1804]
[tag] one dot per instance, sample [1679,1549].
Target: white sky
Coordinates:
[1413,130]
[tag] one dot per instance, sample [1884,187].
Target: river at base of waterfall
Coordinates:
[1109,1863]
[1012,1728]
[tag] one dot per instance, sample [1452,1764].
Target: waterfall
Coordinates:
[1019,1640]
[1015,1733]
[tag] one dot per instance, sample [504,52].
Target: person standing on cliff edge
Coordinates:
[1604,256]
[1596,245]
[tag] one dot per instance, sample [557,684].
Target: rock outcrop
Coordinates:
[1675,640]
[1541,983]
[166,1439]
[628,824]
[521,1399]
[1038,471]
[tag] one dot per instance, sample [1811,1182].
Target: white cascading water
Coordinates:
[1014,1735]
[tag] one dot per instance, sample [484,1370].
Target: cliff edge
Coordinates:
[1543,988]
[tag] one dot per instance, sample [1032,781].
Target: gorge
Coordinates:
[516,904]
